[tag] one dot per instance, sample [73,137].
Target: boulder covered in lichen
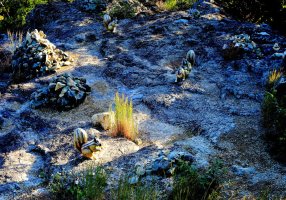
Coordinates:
[36,57]
[64,92]
[239,44]
[91,5]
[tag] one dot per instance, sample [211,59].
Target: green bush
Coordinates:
[89,184]
[121,9]
[269,11]
[13,12]
[274,118]
[139,191]
[176,4]
[193,184]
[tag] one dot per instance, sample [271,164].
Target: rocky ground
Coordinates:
[215,113]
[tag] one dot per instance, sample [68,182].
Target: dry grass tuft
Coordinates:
[274,76]
[15,40]
[123,123]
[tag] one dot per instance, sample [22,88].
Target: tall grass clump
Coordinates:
[190,183]
[15,40]
[123,123]
[89,184]
[172,5]
[140,191]
[273,77]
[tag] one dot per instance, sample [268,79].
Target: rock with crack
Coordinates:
[64,92]
[36,57]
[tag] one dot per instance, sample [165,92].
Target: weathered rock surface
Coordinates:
[214,113]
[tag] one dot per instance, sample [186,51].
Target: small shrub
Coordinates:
[123,123]
[189,183]
[13,12]
[89,184]
[175,4]
[274,117]
[125,191]
[121,9]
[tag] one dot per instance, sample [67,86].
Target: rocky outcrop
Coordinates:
[37,56]
[63,92]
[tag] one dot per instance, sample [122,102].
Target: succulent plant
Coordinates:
[37,56]
[64,92]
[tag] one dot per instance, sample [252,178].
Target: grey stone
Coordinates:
[241,171]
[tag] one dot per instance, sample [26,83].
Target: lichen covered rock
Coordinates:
[37,56]
[63,93]
[238,45]
[91,5]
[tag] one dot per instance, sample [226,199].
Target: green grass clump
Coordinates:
[189,183]
[172,5]
[123,123]
[89,184]
[121,9]
[126,191]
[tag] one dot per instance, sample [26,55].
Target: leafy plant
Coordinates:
[123,123]
[125,191]
[121,9]
[189,183]
[89,184]
[13,12]
[175,4]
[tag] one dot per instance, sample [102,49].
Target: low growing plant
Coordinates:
[274,117]
[121,9]
[123,123]
[175,4]
[126,191]
[190,183]
[89,184]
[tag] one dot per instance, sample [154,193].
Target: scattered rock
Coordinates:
[137,141]
[133,180]
[102,119]
[63,93]
[241,171]
[37,56]
[91,5]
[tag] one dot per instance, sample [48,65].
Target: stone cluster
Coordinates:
[63,93]
[91,5]
[238,45]
[37,56]
[164,165]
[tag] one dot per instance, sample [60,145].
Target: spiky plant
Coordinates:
[273,77]
[15,40]
[123,123]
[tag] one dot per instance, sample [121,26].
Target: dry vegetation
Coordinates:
[123,123]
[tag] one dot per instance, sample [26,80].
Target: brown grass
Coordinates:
[123,123]
[274,76]
[15,40]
